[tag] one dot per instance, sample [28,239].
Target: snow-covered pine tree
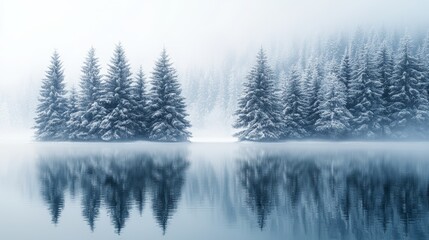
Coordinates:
[424,51]
[51,118]
[294,107]
[258,116]
[141,108]
[118,123]
[409,101]
[333,67]
[346,73]
[167,106]
[384,67]
[73,117]
[92,110]
[306,96]
[313,95]
[281,80]
[367,106]
[334,121]
[424,58]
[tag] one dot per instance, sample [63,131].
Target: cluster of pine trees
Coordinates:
[376,90]
[114,107]
[373,92]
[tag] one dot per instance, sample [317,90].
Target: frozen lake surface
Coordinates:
[305,190]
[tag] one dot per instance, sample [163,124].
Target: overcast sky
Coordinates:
[196,33]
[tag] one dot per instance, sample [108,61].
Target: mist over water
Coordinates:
[249,191]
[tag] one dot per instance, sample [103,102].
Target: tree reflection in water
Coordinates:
[260,178]
[342,197]
[311,195]
[116,182]
[167,178]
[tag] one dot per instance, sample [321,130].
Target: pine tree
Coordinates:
[51,118]
[366,91]
[409,107]
[167,107]
[334,121]
[306,98]
[314,96]
[141,109]
[259,111]
[294,107]
[282,78]
[424,58]
[118,122]
[92,110]
[424,51]
[384,67]
[73,117]
[345,75]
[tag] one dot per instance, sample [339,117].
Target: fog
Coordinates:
[200,36]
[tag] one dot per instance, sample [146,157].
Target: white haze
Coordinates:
[199,36]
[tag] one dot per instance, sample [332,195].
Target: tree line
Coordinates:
[375,90]
[376,93]
[115,107]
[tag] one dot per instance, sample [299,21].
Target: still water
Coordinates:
[214,191]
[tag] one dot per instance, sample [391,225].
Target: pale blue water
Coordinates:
[214,191]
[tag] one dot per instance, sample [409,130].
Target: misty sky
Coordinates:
[196,33]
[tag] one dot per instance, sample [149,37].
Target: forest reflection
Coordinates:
[116,182]
[346,196]
[313,195]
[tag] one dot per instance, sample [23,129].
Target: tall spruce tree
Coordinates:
[258,116]
[366,91]
[314,96]
[167,106]
[306,98]
[73,114]
[424,58]
[51,112]
[118,122]
[409,107]
[424,51]
[92,110]
[141,108]
[334,121]
[294,108]
[345,74]
[384,67]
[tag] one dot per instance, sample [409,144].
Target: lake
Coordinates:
[295,190]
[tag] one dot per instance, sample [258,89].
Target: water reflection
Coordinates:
[117,182]
[167,178]
[54,180]
[260,177]
[312,195]
[339,198]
